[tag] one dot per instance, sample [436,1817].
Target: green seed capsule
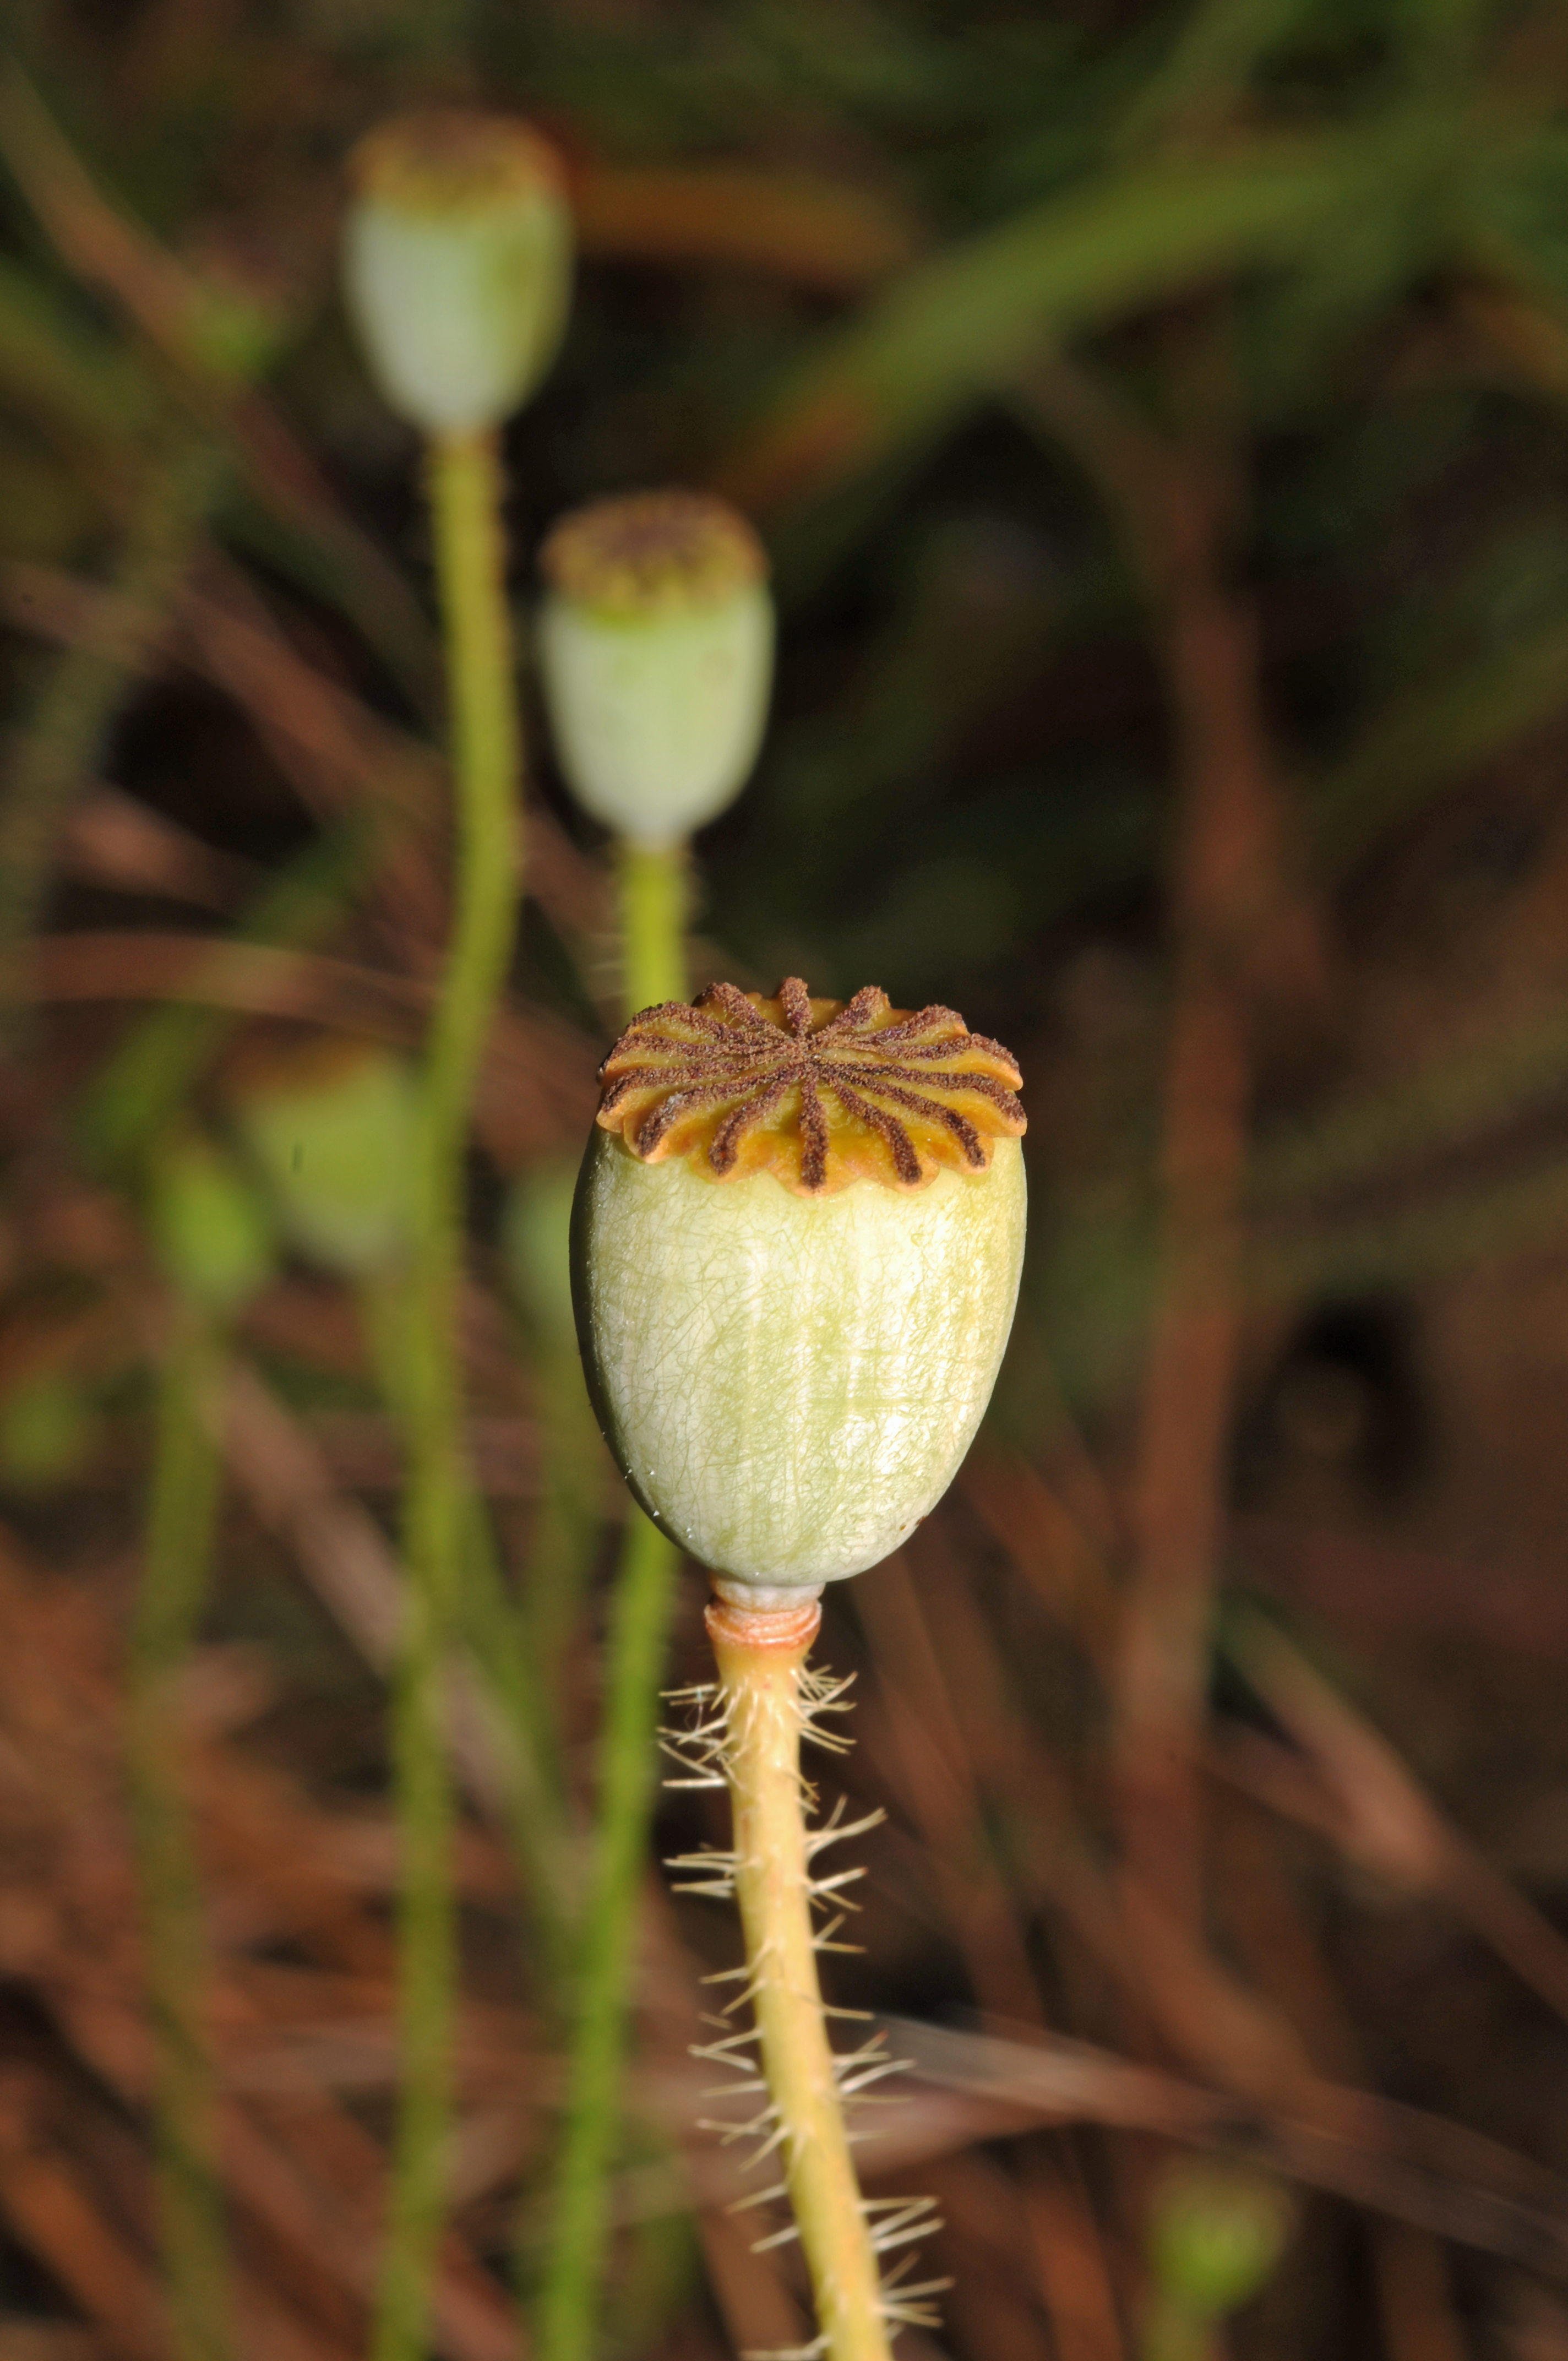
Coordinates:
[457,265]
[1216,2235]
[331,1131]
[796,1246]
[210,1229]
[656,650]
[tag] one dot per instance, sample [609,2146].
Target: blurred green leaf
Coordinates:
[955,329]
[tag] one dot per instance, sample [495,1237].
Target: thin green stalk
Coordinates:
[465,499]
[178,1549]
[628,1774]
[498,1644]
[652,897]
[1173,2330]
[651,881]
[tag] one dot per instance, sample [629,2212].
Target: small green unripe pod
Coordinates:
[331,1130]
[535,1232]
[1216,2236]
[457,265]
[210,1229]
[795,1253]
[656,650]
[46,1429]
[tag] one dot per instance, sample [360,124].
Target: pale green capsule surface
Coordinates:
[657,725]
[656,653]
[790,1383]
[456,266]
[791,1329]
[332,1135]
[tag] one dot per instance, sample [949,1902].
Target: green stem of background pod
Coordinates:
[640,1620]
[464,488]
[185,1482]
[651,881]
[652,903]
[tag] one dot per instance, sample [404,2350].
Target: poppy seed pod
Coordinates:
[210,1229]
[656,650]
[457,265]
[331,1132]
[1216,2235]
[795,1251]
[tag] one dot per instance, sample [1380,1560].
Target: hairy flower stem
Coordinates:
[465,489]
[651,896]
[174,1580]
[760,1659]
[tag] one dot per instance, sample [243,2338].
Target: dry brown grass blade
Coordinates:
[52,2211]
[1071,2270]
[341,1551]
[75,2187]
[815,233]
[1358,1583]
[112,840]
[536,1089]
[48,2340]
[1260,1910]
[337,753]
[1386,1819]
[1176,1499]
[306,2177]
[1239,923]
[312,2176]
[1395,2160]
[1415,2301]
[253,978]
[759,2311]
[939,1786]
[1062,1565]
[985,2244]
[353,755]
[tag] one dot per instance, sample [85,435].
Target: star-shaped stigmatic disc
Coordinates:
[818,1092]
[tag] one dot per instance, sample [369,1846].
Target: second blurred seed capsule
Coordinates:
[457,265]
[656,644]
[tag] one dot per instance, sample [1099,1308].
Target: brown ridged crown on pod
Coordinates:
[818,1092]
[656,552]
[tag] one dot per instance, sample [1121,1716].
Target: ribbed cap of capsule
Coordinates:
[653,554]
[818,1092]
[656,641]
[457,265]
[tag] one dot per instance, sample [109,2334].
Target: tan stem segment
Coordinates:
[760,1659]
